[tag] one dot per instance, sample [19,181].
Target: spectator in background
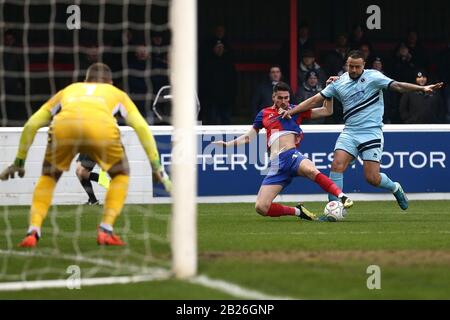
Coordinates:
[417,50]
[308,63]
[358,38]
[444,74]
[391,113]
[367,52]
[304,42]
[125,40]
[127,37]
[335,59]
[310,88]
[420,107]
[403,66]
[92,55]
[343,70]
[263,94]
[138,83]
[218,86]
[377,64]
[159,62]
[16,113]
[218,35]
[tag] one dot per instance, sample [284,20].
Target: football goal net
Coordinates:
[149,45]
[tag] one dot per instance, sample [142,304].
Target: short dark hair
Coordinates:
[356,54]
[274,66]
[98,72]
[281,86]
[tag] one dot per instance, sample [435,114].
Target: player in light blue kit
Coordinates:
[360,92]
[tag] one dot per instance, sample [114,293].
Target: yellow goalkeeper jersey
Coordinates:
[89,108]
[96,101]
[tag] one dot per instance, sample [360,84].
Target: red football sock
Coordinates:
[277,210]
[327,184]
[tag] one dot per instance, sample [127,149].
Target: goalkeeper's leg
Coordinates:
[114,201]
[42,199]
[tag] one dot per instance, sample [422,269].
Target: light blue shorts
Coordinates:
[367,143]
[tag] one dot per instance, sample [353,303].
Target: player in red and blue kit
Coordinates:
[286,162]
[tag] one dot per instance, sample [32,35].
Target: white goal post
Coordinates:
[183,21]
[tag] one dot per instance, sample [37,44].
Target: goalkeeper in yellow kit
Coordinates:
[81,120]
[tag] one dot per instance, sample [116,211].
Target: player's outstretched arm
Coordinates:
[245,138]
[308,103]
[403,87]
[324,111]
[38,120]
[138,123]
[135,120]
[304,106]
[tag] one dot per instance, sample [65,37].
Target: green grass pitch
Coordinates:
[275,256]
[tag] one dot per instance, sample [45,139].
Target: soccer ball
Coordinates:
[335,211]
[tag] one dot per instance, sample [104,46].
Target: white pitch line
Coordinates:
[234,289]
[47,284]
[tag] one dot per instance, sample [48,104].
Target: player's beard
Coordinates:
[354,75]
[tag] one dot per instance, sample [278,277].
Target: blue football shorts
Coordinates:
[283,168]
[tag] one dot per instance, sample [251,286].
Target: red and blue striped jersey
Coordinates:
[275,126]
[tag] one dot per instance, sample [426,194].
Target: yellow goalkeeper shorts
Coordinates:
[100,140]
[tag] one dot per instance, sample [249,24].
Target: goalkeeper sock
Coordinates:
[42,198]
[278,210]
[386,183]
[87,186]
[106,227]
[338,179]
[327,185]
[33,228]
[115,198]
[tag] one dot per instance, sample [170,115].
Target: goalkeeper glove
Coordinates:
[160,175]
[17,166]
[163,177]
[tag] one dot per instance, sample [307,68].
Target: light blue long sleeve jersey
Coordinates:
[362,98]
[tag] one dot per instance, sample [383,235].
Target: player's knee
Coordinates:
[261,207]
[82,173]
[51,171]
[337,166]
[122,167]
[308,169]
[311,173]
